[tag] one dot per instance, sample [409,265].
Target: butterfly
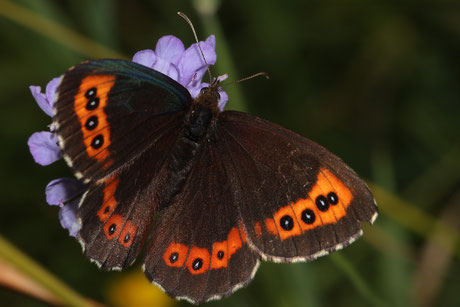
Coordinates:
[205,193]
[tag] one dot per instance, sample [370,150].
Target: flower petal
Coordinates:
[40,98]
[43,147]
[61,190]
[195,90]
[145,57]
[51,88]
[166,68]
[222,78]
[68,218]
[223,100]
[191,65]
[170,48]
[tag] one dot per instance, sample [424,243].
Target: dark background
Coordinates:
[376,82]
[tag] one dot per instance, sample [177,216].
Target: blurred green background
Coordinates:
[376,82]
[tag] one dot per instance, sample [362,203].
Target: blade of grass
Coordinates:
[385,243]
[22,262]
[53,30]
[411,217]
[16,280]
[435,261]
[394,274]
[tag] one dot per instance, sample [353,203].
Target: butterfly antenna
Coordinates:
[247,78]
[197,42]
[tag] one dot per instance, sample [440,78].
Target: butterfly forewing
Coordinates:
[108,111]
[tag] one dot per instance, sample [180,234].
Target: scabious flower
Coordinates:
[186,66]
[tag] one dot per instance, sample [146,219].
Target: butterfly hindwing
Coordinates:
[107,111]
[198,249]
[297,200]
[117,212]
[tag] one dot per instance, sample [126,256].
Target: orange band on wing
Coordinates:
[258,229]
[271,227]
[175,254]
[243,234]
[234,241]
[200,260]
[127,234]
[112,227]
[326,204]
[109,202]
[89,104]
[220,256]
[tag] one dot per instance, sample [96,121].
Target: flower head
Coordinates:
[170,57]
[185,66]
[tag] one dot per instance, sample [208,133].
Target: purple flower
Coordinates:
[44,147]
[63,192]
[186,66]
[46,101]
[68,218]
[66,193]
[170,57]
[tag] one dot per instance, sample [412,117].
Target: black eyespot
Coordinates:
[91,93]
[106,210]
[308,216]
[173,257]
[97,142]
[127,237]
[322,203]
[92,104]
[204,90]
[197,264]
[333,198]
[91,123]
[286,222]
[220,255]
[112,229]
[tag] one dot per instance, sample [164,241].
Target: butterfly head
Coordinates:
[209,96]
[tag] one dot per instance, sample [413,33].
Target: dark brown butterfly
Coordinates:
[208,193]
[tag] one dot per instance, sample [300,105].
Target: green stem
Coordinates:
[55,31]
[224,65]
[412,217]
[346,267]
[22,262]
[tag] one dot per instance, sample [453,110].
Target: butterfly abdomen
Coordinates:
[198,127]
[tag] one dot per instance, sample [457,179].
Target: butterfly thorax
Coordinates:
[203,110]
